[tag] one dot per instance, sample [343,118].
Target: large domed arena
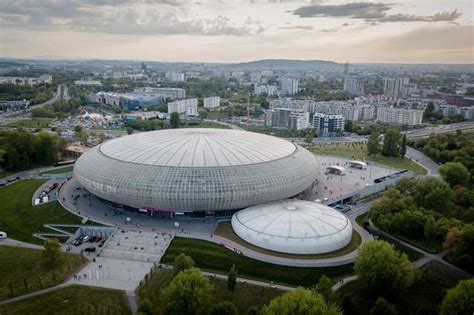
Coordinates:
[196,170]
[293,226]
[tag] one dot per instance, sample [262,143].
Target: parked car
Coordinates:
[86,238]
[92,239]
[3,183]
[98,239]
[76,243]
[90,249]
[101,243]
[3,235]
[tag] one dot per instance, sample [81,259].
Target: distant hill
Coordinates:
[287,64]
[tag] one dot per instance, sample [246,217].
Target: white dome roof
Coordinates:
[197,148]
[293,226]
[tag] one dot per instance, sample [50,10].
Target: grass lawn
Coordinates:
[213,257]
[18,217]
[224,229]
[60,170]
[19,264]
[207,124]
[423,297]
[413,255]
[72,300]
[31,123]
[244,296]
[359,151]
[431,246]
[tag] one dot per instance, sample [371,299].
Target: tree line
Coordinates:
[21,150]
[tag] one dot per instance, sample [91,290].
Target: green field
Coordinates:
[244,296]
[18,217]
[423,297]
[213,257]
[60,170]
[72,300]
[31,123]
[359,151]
[224,229]
[206,124]
[20,264]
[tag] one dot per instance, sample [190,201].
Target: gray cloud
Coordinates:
[371,12]
[117,17]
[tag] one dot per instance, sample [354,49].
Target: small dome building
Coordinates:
[293,226]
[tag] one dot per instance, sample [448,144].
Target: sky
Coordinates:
[361,31]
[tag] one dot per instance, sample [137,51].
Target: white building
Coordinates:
[188,107]
[397,86]
[400,116]
[299,120]
[264,89]
[87,83]
[354,85]
[174,76]
[289,86]
[212,102]
[366,112]
[328,123]
[171,93]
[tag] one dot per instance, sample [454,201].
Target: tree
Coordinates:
[324,287]
[349,126]
[403,146]
[189,293]
[460,299]
[182,262]
[433,194]
[203,113]
[382,307]
[232,279]
[224,308]
[52,252]
[454,173]
[452,238]
[464,250]
[308,138]
[373,145]
[299,302]
[145,307]
[391,142]
[175,121]
[382,269]
[129,131]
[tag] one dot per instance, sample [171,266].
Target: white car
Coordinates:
[3,235]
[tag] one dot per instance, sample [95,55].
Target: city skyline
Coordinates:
[238,31]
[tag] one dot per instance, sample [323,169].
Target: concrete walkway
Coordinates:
[33,294]
[15,243]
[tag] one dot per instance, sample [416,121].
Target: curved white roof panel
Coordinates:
[197,148]
[196,169]
[293,226]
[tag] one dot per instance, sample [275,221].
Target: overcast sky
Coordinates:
[408,31]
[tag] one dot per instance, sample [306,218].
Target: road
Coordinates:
[423,160]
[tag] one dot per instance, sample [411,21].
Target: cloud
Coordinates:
[120,17]
[372,13]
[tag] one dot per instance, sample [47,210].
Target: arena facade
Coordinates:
[196,170]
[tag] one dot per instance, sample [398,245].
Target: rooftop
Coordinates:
[197,148]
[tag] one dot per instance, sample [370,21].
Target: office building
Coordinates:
[328,124]
[354,85]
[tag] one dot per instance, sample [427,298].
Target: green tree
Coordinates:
[382,269]
[145,307]
[203,113]
[52,252]
[224,308]
[349,126]
[189,293]
[232,279]
[299,302]
[324,287]
[182,262]
[383,307]
[433,193]
[464,250]
[129,131]
[391,142]
[175,121]
[373,145]
[403,146]
[308,138]
[460,299]
[454,173]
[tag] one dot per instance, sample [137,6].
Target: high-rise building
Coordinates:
[299,120]
[143,66]
[287,118]
[366,112]
[289,86]
[396,86]
[174,76]
[267,89]
[211,102]
[400,116]
[328,124]
[346,68]
[187,107]
[354,85]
